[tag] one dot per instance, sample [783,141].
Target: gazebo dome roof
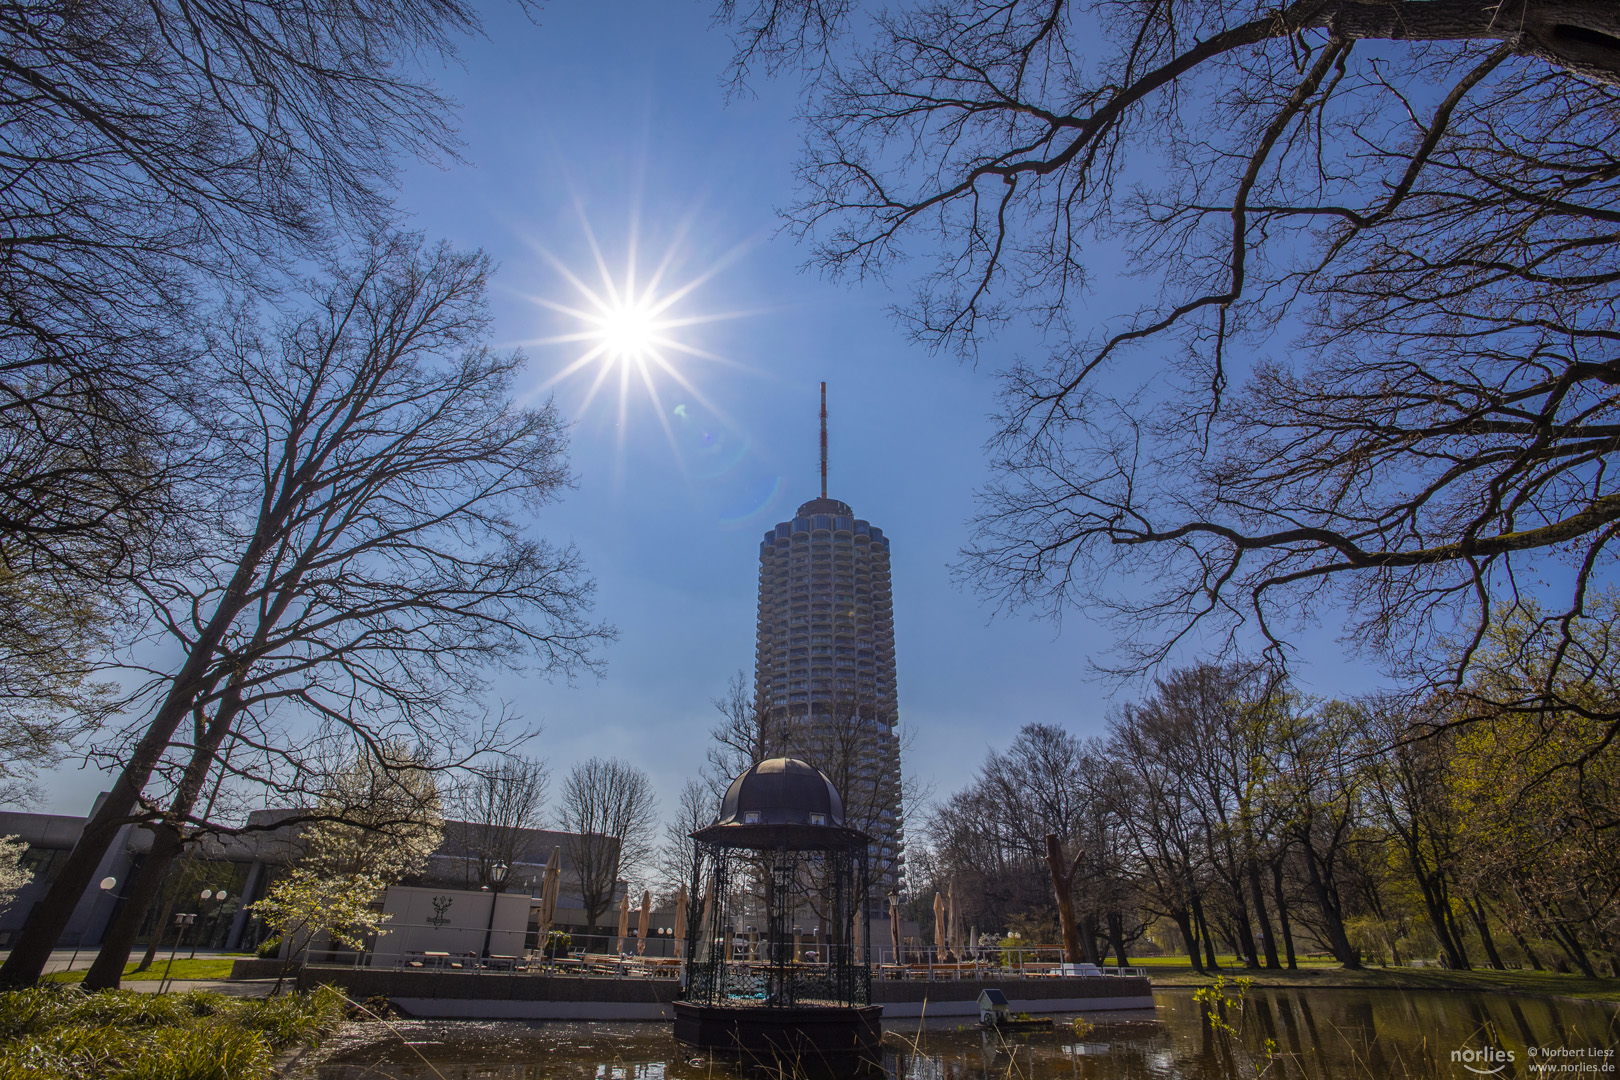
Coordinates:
[782,791]
[782,802]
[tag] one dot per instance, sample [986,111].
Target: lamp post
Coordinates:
[108,884]
[497,878]
[218,898]
[182,920]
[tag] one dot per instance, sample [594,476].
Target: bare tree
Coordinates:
[1379,366]
[609,808]
[1162,828]
[677,857]
[857,748]
[495,804]
[749,732]
[367,561]
[156,153]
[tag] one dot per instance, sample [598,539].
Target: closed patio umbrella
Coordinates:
[703,921]
[644,922]
[680,922]
[624,920]
[939,923]
[551,883]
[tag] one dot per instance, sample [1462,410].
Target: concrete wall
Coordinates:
[457,925]
[1044,995]
[550,997]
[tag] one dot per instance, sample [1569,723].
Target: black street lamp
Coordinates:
[497,878]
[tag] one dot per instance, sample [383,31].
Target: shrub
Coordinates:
[214,1052]
[292,1018]
[62,1033]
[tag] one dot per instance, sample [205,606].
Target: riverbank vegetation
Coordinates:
[58,1033]
[1173,972]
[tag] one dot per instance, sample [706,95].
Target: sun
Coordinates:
[630,329]
[630,326]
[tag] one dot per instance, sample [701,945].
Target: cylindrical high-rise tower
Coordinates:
[824,662]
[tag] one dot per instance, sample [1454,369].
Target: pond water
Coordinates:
[1304,1035]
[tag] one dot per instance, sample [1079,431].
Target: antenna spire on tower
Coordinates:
[823,440]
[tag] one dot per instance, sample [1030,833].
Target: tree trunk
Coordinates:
[1338,940]
[1580,36]
[107,971]
[1203,932]
[1456,937]
[167,841]
[1062,879]
[1088,940]
[152,946]
[1282,913]
[1476,912]
[1529,953]
[1244,935]
[1570,942]
[1116,937]
[1183,920]
[45,922]
[1268,938]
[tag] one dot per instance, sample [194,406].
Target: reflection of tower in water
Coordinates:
[824,661]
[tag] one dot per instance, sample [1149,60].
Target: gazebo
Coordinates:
[780,847]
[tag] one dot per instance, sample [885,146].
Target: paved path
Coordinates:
[236,988]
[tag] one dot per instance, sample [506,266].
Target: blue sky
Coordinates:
[609,118]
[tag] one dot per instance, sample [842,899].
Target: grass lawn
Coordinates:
[204,967]
[1230,961]
[1173,971]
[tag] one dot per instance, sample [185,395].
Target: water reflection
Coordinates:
[1315,1035]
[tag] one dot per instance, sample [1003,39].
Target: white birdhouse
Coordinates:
[993,1007]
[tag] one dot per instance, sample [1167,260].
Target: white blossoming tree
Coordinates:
[12,874]
[380,818]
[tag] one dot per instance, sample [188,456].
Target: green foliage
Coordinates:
[1013,952]
[294,1018]
[1224,1013]
[559,943]
[57,1033]
[212,1053]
